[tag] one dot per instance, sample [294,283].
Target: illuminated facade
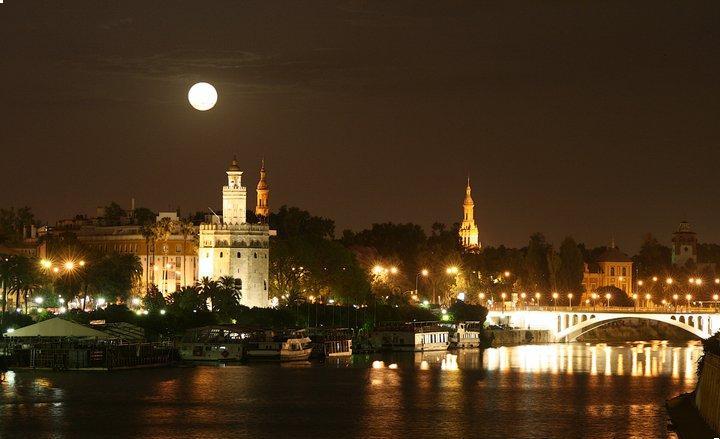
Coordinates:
[612,268]
[262,209]
[468,229]
[230,246]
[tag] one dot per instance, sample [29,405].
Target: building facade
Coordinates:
[612,268]
[469,236]
[230,246]
[169,263]
[685,245]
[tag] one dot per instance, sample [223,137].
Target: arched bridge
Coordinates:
[568,325]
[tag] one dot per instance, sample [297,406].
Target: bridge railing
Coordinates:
[606,309]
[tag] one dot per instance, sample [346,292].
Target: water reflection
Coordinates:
[554,390]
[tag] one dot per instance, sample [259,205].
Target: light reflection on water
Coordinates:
[543,391]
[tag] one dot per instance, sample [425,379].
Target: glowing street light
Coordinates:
[608,296]
[570,297]
[647,300]
[688,297]
[38,300]
[654,278]
[669,281]
[635,299]
[393,270]
[452,270]
[537,298]
[555,297]
[506,273]
[81,263]
[46,263]
[377,270]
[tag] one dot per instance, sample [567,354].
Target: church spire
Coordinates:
[263,192]
[468,228]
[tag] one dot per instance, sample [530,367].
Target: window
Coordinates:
[221,254]
[178,248]
[612,270]
[265,285]
[238,255]
[255,255]
[624,271]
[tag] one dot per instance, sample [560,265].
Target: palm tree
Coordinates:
[186,228]
[148,232]
[208,290]
[6,270]
[161,230]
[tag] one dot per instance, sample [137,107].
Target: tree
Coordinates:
[148,232]
[143,216]
[161,232]
[113,275]
[186,229]
[113,214]
[570,273]
[653,259]
[536,264]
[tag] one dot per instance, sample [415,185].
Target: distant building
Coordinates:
[230,246]
[468,229]
[612,268]
[685,245]
[169,263]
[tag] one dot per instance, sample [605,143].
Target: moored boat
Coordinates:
[411,336]
[331,342]
[270,346]
[212,343]
[467,335]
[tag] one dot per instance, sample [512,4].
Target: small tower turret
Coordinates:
[262,209]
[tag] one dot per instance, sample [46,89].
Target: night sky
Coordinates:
[586,118]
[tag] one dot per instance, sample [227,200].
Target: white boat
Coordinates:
[467,335]
[268,346]
[411,337]
[212,343]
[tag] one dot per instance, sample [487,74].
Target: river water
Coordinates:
[535,391]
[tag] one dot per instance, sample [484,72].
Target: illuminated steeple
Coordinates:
[468,229]
[263,192]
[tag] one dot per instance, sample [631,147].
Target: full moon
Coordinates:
[202,96]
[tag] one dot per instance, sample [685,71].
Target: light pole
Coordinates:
[635,301]
[555,297]
[608,296]
[715,298]
[503,296]
[675,299]
[537,297]
[424,272]
[523,296]
[570,297]
[688,298]
[647,300]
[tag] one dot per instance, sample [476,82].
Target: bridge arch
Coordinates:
[571,333]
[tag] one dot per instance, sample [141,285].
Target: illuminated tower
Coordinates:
[262,210]
[468,229]
[234,196]
[233,247]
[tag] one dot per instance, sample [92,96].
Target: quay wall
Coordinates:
[707,399]
[510,337]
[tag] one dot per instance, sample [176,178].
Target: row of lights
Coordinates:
[68,265]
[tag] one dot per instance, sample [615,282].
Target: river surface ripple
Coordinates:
[536,391]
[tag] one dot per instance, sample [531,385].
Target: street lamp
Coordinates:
[523,296]
[506,273]
[715,298]
[675,299]
[594,298]
[688,298]
[69,265]
[647,300]
[424,272]
[608,296]
[537,297]
[393,270]
[503,295]
[555,297]
[635,300]
[669,281]
[570,296]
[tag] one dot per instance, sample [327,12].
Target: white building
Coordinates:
[230,246]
